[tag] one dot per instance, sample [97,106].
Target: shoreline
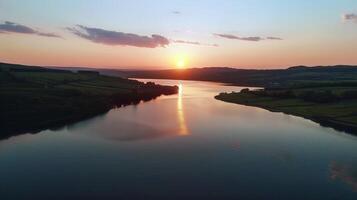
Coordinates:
[55,123]
[324,121]
[35,98]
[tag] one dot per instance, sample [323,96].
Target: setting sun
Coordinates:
[181,61]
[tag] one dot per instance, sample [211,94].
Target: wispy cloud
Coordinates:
[194,43]
[176,12]
[250,38]
[234,37]
[109,37]
[349,17]
[274,38]
[11,27]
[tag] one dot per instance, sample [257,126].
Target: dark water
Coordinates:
[186,146]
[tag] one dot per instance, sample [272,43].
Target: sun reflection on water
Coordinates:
[180,113]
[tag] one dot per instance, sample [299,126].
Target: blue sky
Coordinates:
[308,30]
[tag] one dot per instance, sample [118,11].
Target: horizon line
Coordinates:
[173,68]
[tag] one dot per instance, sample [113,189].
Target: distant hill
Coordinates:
[298,75]
[18,67]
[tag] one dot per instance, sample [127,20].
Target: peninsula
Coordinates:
[331,106]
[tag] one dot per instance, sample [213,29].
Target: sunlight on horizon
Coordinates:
[181,61]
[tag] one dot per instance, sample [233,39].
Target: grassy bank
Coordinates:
[35,98]
[334,107]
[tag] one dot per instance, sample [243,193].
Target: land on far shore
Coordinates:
[330,106]
[290,77]
[36,98]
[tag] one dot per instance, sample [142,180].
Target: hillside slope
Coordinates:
[35,98]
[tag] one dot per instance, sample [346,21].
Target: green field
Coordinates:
[34,98]
[334,107]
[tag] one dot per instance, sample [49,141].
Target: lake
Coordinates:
[184,146]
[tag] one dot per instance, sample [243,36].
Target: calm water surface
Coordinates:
[185,146]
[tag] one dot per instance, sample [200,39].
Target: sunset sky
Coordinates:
[159,34]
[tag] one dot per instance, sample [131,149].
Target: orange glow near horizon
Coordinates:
[181,61]
[180,64]
[75,52]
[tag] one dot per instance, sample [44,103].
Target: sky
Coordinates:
[157,34]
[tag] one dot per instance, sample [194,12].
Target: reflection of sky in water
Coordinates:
[346,173]
[240,151]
